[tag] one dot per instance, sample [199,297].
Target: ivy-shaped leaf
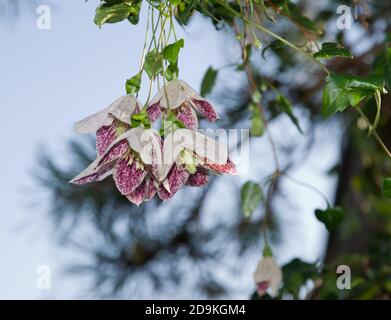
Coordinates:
[208,81]
[331,217]
[250,197]
[344,90]
[387,187]
[331,50]
[133,84]
[153,63]
[171,51]
[286,107]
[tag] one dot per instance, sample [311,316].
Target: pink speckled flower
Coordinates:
[110,122]
[188,155]
[178,97]
[132,159]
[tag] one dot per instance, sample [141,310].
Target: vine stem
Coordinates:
[274,35]
[374,133]
[308,186]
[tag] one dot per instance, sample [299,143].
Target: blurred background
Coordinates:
[198,245]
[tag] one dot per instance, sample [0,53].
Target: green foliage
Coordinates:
[331,50]
[286,107]
[208,81]
[344,90]
[171,51]
[387,187]
[331,217]
[110,11]
[153,63]
[133,84]
[295,274]
[251,196]
[140,119]
[293,12]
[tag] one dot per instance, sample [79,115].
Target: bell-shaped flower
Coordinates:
[110,122]
[187,156]
[183,101]
[132,159]
[268,275]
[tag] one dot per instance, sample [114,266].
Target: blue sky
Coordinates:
[49,79]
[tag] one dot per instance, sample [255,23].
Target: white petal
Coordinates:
[173,94]
[122,109]
[268,270]
[202,145]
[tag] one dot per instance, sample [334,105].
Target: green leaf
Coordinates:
[140,119]
[387,187]
[133,84]
[208,82]
[257,126]
[172,72]
[286,107]
[331,50]
[153,64]
[171,51]
[250,196]
[112,12]
[296,273]
[344,90]
[331,217]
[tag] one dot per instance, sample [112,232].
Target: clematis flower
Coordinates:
[132,160]
[183,101]
[268,275]
[110,122]
[188,155]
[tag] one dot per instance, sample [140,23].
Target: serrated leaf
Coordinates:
[133,84]
[387,187]
[286,107]
[171,51]
[331,50]
[153,64]
[208,81]
[251,196]
[331,217]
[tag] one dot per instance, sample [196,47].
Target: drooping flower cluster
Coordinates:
[141,162]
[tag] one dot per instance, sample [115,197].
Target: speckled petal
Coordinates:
[105,136]
[177,177]
[187,115]
[115,152]
[154,112]
[138,195]
[127,177]
[92,174]
[151,189]
[206,109]
[199,178]
[228,168]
